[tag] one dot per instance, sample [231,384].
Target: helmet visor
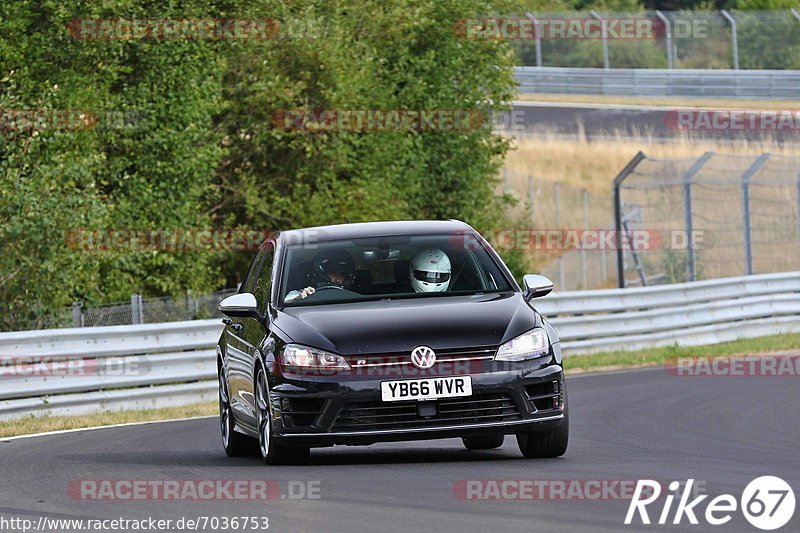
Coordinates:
[431,277]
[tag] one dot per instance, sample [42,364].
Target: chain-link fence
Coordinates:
[136,311]
[757,39]
[715,216]
[558,228]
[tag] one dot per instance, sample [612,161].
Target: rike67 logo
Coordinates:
[767,503]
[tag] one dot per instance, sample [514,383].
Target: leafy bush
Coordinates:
[200,149]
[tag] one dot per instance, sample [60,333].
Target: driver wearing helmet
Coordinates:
[430,271]
[333,268]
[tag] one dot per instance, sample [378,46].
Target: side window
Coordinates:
[264,283]
[251,276]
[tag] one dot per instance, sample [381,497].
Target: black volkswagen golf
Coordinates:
[387,331]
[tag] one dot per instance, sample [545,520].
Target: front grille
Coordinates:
[475,409]
[404,358]
[545,396]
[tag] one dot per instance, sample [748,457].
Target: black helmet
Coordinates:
[330,262]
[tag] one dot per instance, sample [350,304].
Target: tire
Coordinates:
[484,442]
[234,443]
[545,444]
[272,452]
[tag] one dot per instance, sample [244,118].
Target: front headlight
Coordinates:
[305,357]
[529,345]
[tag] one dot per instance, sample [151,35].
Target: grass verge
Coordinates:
[607,361]
[592,165]
[41,424]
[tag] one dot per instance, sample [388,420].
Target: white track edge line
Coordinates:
[75,430]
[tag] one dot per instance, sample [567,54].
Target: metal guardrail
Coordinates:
[689,314]
[75,371]
[173,363]
[783,84]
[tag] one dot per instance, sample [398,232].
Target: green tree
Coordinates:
[151,173]
[200,149]
[365,56]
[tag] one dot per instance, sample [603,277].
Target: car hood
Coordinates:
[400,325]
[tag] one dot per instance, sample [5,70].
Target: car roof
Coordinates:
[374,229]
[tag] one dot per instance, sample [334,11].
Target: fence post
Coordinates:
[136,309]
[734,38]
[748,230]
[603,268]
[584,278]
[688,221]
[667,37]
[77,315]
[798,199]
[562,280]
[629,168]
[604,26]
[191,306]
[557,193]
[531,199]
[537,35]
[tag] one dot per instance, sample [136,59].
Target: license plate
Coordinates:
[426,389]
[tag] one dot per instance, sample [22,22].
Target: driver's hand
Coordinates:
[308,291]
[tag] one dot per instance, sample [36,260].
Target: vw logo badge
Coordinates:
[423,357]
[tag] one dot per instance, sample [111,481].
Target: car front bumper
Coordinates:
[313,411]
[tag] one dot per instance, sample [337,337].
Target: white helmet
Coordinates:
[430,271]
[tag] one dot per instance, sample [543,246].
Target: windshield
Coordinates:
[373,268]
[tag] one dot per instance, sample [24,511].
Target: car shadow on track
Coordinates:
[344,456]
[338,456]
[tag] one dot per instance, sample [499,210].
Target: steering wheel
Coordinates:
[331,287]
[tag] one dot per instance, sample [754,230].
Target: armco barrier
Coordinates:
[757,84]
[173,363]
[118,367]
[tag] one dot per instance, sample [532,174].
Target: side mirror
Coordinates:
[536,286]
[242,305]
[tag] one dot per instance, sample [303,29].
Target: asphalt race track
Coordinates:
[603,121]
[624,426]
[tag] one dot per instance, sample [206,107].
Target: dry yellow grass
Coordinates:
[592,165]
[660,101]
[578,164]
[42,424]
